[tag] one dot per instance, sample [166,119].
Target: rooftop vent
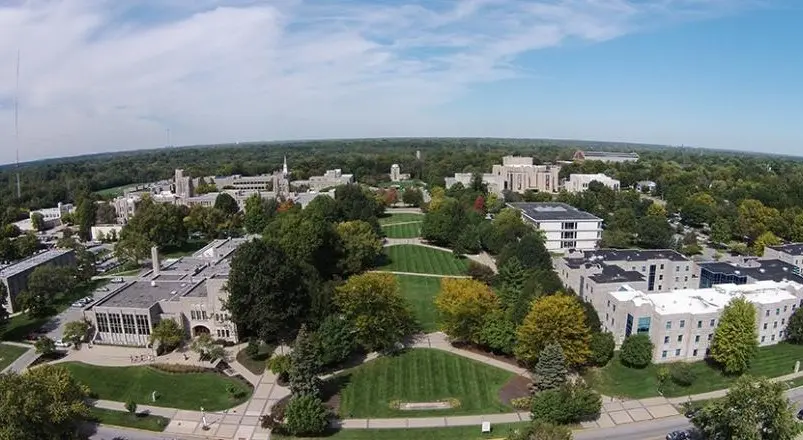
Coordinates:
[761,270]
[173,292]
[153,283]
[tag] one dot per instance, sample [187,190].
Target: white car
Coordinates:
[61,344]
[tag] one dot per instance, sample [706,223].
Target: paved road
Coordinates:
[114,433]
[23,361]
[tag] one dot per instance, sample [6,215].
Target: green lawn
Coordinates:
[404,230]
[256,364]
[188,248]
[420,259]
[401,217]
[421,375]
[147,422]
[498,431]
[617,380]
[8,354]
[115,191]
[420,292]
[176,390]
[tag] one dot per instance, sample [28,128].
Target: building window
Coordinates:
[712,322]
[767,314]
[783,321]
[662,266]
[686,279]
[663,354]
[569,225]
[682,323]
[699,324]
[677,352]
[694,353]
[660,287]
[192,314]
[772,338]
[680,338]
[668,325]
[784,309]
[115,325]
[612,321]
[203,314]
[780,334]
[103,322]
[763,338]
[607,317]
[666,339]
[697,338]
[765,326]
[614,307]
[677,279]
[609,303]
[687,268]
[228,335]
[643,325]
[128,325]
[777,311]
[677,268]
[218,332]
[643,268]
[710,335]
[775,324]
[660,277]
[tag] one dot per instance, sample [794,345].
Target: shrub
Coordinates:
[538,430]
[180,368]
[480,272]
[279,364]
[131,406]
[334,340]
[521,403]
[252,350]
[682,374]
[306,415]
[571,403]
[602,345]
[637,351]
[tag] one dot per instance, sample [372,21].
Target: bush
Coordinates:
[131,406]
[636,351]
[334,340]
[498,333]
[306,415]
[279,364]
[572,403]
[682,374]
[602,345]
[522,403]
[180,368]
[480,272]
[542,431]
[252,350]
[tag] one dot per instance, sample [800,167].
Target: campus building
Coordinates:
[182,185]
[329,179]
[592,273]
[681,323]
[564,227]
[748,271]
[15,276]
[789,253]
[579,182]
[396,175]
[517,174]
[465,179]
[189,290]
[605,156]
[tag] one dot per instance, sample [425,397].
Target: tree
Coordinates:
[4,315]
[361,245]
[554,319]
[498,333]
[656,210]
[45,345]
[755,218]
[571,403]
[462,305]
[306,415]
[699,209]
[75,332]
[480,272]
[226,204]
[479,204]
[468,241]
[131,406]
[85,213]
[602,345]
[305,365]
[160,223]
[258,213]
[721,231]
[133,247]
[444,225]
[413,197]
[168,334]
[356,203]
[38,221]
[85,264]
[550,371]
[44,403]
[268,292]
[764,240]
[380,315]
[539,430]
[654,232]
[794,330]
[752,409]
[335,340]
[736,337]
[530,251]
[44,283]
[279,364]
[636,351]
[26,245]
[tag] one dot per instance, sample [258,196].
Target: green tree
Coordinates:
[736,337]
[571,403]
[38,221]
[133,248]
[602,345]
[306,415]
[258,213]
[334,339]
[85,264]
[226,204]
[636,351]
[160,223]
[75,332]
[361,245]
[755,218]
[168,334]
[44,283]
[305,365]
[764,240]
[550,371]
[556,319]
[4,315]
[539,430]
[413,197]
[699,209]
[721,231]
[794,330]
[131,406]
[356,203]
[462,305]
[654,232]
[379,313]
[444,225]
[26,245]
[752,409]
[498,332]
[480,272]
[44,403]
[45,345]
[85,213]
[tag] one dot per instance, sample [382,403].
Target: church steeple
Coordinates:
[284,166]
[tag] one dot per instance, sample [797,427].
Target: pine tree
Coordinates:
[305,365]
[550,370]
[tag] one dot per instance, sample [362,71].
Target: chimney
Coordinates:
[155,260]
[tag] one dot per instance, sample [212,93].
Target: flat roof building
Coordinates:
[747,272]
[681,323]
[15,276]
[564,226]
[580,182]
[605,156]
[791,253]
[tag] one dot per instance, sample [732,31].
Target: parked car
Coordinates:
[117,280]
[800,415]
[61,344]
[690,413]
[678,435]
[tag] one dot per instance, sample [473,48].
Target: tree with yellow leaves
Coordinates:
[462,305]
[556,319]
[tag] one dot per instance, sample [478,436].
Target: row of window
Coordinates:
[644,268]
[682,324]
[775,323]
[223,333]
[680,338]
[123,324]
[772,337]
[201,315]
[778,310]
[693,353]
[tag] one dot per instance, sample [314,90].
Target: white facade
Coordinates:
[564,227]
[396,175]
[580,182]
[106,232]
[329,179]
[517,174]
[681,323]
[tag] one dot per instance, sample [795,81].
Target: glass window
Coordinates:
[712,322]
[660,277]
[710,335]
[677,279]
[784,309]
[783,321]
[192,314]
[115,325]
[666,339]
[103,322]
[763,338]
[228,335]
[677,268]
[668,325]
[663,354]
[680,338]
[612,321]
[767,314]
[699,324]
[772,338]
[685,279]
[697,338]
[687,268]
[780,334]
[694,353]
[203,314]
[662,267]
[128,325]
[765,326]
[677,352]
[643,325]
[614,307]
[609,303]
[682,323]
[143,327]
[660,287]
[777,311]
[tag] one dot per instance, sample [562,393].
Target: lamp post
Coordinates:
[205,426]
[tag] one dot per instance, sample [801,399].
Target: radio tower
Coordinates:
[16,124]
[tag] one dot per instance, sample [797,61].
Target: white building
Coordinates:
[605,156]
[579,182]
[329,179]
[681,323]
[465,180]
[106,232]
[517,174]
[396,175]
[564,226]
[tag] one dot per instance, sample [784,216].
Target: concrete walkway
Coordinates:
[482,258]
[22,362]
[402,223]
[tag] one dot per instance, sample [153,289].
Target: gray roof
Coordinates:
[615,274]
[143,294]
[593,153]
[628,255]
[546,211]
[791,248]
[759,270]
[32,262]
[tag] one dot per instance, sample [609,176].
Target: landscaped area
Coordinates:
[499,431]
[403,230]
[255,364]
[187,248]
[147,422]
[401,217]
[8,354]
[421,375]
[421,259]
[420,292]
[617,380]
[175,390]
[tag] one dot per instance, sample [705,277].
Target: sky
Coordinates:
[109,75]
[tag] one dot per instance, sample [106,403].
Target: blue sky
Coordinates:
[102,76]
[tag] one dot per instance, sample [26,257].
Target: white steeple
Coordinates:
[284,166]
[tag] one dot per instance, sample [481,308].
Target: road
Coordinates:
[112,433]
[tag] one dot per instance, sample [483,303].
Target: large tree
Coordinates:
[554,319]
[44,283]
[379,313]
[225,203]
[637,350]
[305,365]
[736,336]
[38,221]
[258,213]
[268,292]
[794,330]
[754,409]
[539,430]
[550,371]
[443,226]
[356,203]
[654,232]
[133,247]
[160,223]
[361,245]
[463,305]
[168,334]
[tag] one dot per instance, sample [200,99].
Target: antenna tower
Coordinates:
[16,124]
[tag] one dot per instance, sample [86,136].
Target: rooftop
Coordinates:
[760,270]
[615,274]
[710,300]
[32,262]
[593,153]
[791,248]
[546,211]
[600,255]
[142,294]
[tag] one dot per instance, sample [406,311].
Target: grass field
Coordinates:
[147,422]
[617,380]
[421,375]
[404,230]
[187,249]
[499,431]
[420,293]
[8,354]
[420,259]
[401,217]
[114,191]
[175,390]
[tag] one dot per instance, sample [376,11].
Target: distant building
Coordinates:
[106,232]
[51,216]
[15,276]
[564,226]
[329,179]
[465,179]
[789,253]
[183,186]
[305,198]
[681,323]
[646,186]
[396,174]
[579,182]
[605,156]
[516,174]
[748,272]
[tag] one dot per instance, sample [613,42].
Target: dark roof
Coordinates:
[615,274]
[593,153]
[791,248]
[545,211]
[628,255]
[759,270]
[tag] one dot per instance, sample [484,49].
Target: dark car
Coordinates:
[678,435]
[800,415]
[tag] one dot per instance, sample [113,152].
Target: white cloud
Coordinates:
[97,76]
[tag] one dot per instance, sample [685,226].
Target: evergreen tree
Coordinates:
[550,370]
[305,365]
